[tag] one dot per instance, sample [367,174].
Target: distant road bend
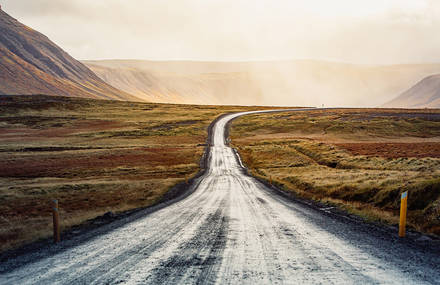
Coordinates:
[234,230]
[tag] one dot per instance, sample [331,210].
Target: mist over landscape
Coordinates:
[281,83]
[287,53]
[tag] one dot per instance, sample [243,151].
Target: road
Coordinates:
[234,230]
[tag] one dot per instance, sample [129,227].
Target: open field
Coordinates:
[93,156]
[359,159]
[232,229]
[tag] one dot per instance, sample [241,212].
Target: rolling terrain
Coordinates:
[357,159]
[288,83]
[30,63]
[425,94]
[94,156]
[232,229]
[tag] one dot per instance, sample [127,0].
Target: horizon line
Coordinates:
[262,61]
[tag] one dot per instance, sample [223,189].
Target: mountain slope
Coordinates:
[32,64]
[169,87]
[425,94]
[294,82]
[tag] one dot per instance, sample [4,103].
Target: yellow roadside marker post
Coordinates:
[56,222]
[403,205]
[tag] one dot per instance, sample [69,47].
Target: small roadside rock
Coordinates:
[109,215]
[424,238]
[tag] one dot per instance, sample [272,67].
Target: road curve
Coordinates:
[234,230]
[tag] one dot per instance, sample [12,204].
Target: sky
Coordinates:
[355,31]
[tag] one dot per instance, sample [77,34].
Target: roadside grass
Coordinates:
[307,161]
[94,156]
[346,123]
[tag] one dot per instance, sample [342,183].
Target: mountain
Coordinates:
[290,82]
[425,94]
[170,83]
[32,64]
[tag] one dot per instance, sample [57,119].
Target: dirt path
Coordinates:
[234,230]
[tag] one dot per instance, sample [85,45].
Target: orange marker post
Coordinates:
[403,206]
[56,222]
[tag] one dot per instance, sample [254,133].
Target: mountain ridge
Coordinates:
[290,82]
[30,63]
[424,94]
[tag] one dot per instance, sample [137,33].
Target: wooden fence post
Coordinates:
[56,222]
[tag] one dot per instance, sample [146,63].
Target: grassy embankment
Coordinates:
[358,159]
[93,156]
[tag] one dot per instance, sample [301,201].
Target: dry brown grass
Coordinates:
[298,151]
[394,150]
[93,156]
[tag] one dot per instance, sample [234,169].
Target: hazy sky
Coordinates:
[359,31]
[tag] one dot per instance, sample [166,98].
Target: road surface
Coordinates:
[234,230]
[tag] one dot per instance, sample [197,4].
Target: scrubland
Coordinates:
[357,159]
[93,156]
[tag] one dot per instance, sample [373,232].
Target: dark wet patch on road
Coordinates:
[200,257]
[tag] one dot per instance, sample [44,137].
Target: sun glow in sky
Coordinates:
[350,8]
[358,31]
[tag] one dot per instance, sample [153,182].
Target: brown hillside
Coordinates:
[425,94]
[32,64]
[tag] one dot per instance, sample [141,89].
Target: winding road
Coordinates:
[234,230]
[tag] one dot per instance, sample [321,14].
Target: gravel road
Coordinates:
[234,230]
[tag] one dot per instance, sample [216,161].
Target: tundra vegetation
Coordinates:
[93,156]
[357,159]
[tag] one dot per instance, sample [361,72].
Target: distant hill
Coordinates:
[425,94]
[32,64]
[294,82]
[168,83]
